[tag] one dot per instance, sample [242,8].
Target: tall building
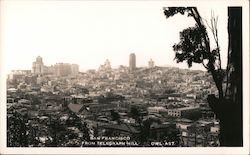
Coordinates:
[132,61]
[74,69]
[66,69]
[151,63]
[106,66]
[62,69]
[59,69]
[48,69]
[37,66]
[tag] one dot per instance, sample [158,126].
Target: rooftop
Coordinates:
[188,108]
[75,107]
[122,127]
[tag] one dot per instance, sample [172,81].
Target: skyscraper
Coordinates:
[59,69]
[62,69]
[37,66]
[107,64]
[74,69]
[66,69]
[151,63]
[132,61]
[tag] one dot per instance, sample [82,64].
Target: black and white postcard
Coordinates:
[124,77]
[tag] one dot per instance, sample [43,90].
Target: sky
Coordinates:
[87,33]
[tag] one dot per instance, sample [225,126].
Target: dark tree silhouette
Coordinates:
[115,116]
[17,130]
[194,47]
[135,114]
[145,131]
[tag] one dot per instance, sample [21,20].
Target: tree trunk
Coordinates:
[229,108]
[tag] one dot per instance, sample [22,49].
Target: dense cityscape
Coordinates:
[128,106]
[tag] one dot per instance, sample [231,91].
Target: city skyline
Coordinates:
[151,63]
[38,65]
[88,33]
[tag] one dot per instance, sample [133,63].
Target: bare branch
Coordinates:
[204,65]
[207,24]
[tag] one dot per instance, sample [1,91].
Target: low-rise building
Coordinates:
[156,109]
[182,112]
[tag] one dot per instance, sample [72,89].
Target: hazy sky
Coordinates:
[88,33]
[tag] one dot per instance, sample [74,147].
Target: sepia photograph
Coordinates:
[124,77]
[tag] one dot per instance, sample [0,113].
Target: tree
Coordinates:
[115,116]
[135,114]
[145,131]
[194,47]
[17,130]
[62,136]
[55,130]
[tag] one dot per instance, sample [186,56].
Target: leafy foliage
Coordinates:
[191,47]
[17,130]
[194,45]
[115,116]
[135,114]
[171,11]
